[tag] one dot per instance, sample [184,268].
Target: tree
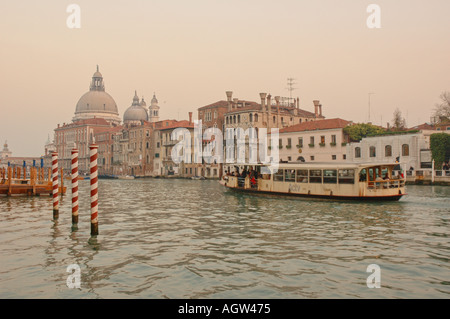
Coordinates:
[357,132]
[440,148]
[398,122]
[442,109]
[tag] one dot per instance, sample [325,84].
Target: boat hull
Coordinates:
[330,197]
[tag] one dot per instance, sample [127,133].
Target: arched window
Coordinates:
[227,120]
[405,150]
[234,119]
[388,150]
[239,118]
[274,119]
[256,117]
[357,152]
[372,151]
[250,117]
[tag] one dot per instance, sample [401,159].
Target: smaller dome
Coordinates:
[135,113]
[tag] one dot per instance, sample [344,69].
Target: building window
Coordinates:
[289,143]
[388,150]
[256,117]
[322,139]
[333,157]
[311,140]
[357,152]
[289,158]
[250,117]
[239,118]
[312,158]
[333,139]
[405,150]
[344,156]
[372,151]
[300,142]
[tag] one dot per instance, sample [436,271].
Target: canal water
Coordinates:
[161,238]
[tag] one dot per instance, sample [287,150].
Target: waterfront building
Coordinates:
[413,149]
[278,113]
[163,150]
[314,141]
[212,116]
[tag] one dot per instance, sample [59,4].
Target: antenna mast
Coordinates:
[290,88]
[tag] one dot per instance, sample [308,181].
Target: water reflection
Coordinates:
[193,239]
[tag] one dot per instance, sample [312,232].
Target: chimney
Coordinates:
[190,117]
[320,109]
[316,107]
[235,103]
[277,100]
[298,103]
[263,101]
[269,110]
[229,96]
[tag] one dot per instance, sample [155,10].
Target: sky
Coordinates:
[191,52]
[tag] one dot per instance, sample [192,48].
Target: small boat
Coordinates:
[125,177]
[326,180]
[198,177]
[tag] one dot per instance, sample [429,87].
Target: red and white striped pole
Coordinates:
[74,176]
[94,188]
[55,185]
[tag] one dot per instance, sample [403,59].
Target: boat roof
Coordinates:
[323,165]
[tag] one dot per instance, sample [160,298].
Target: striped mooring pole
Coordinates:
[74,176]
[55,185]
[93,148]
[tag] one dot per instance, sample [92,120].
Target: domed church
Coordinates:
[136,113]
[96,103]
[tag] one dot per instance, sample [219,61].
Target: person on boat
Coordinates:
[253,181]
[362,177]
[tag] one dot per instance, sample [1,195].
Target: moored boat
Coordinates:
[324,180]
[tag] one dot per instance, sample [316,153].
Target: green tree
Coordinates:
[440,148]
[357,132]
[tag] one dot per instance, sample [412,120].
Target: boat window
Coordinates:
[315,176]
[330,176]
[289,175]
[302,176]
[346,176]
[278,176]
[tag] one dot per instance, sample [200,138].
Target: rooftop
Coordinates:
[326,124]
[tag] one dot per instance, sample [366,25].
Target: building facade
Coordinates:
[314,141]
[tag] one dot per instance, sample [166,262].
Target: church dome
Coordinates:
[96,103]
[136,112]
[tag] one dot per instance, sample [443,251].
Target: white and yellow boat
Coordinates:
[324,180]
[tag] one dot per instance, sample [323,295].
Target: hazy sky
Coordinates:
[191,52]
